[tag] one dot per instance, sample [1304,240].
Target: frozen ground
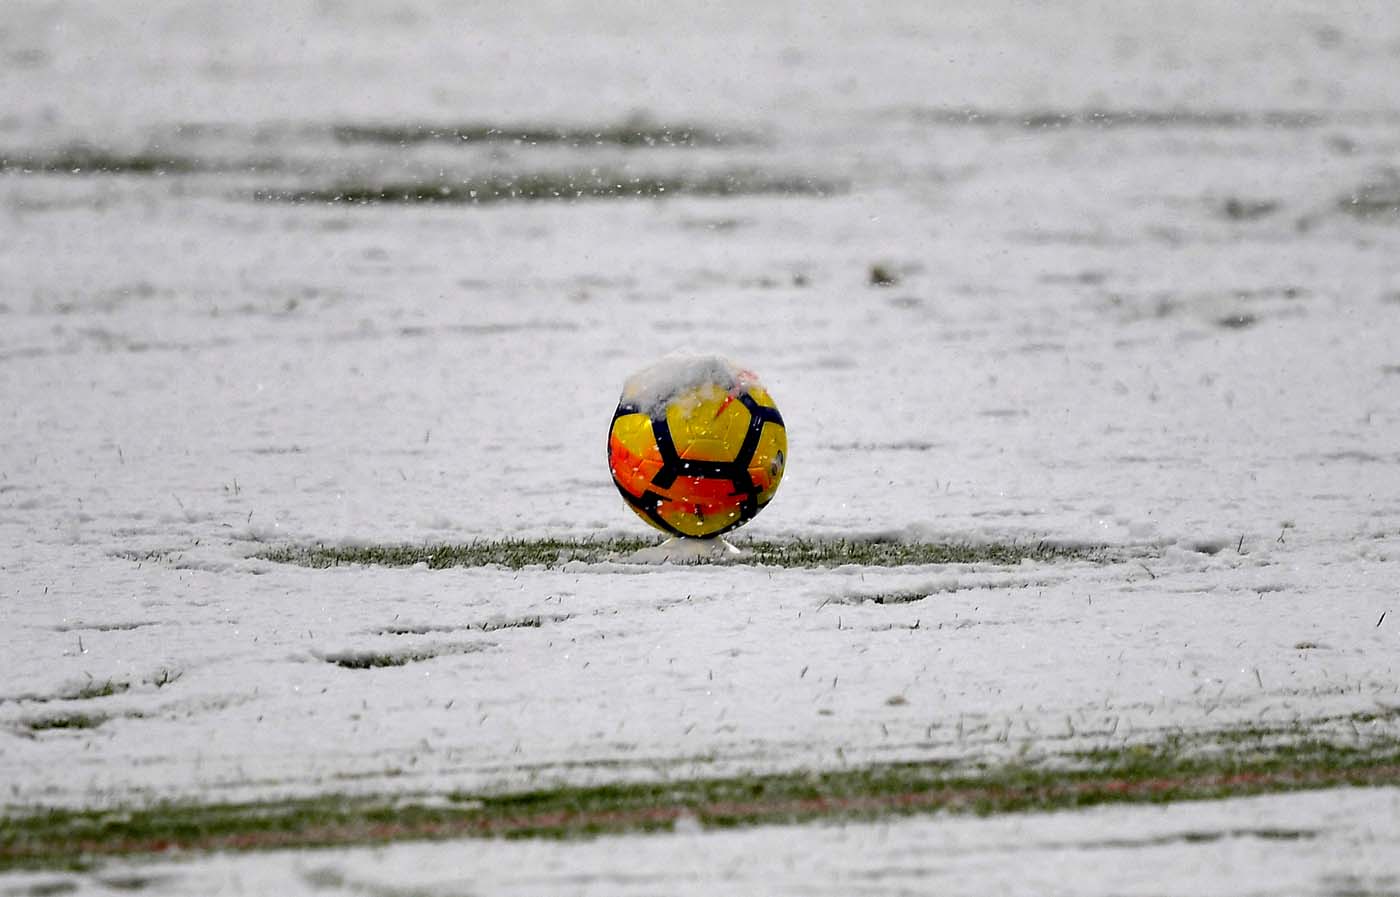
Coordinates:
[1146,294]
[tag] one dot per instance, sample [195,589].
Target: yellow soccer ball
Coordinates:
[697,446]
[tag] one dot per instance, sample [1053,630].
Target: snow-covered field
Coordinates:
[1146,268]
[1316,843]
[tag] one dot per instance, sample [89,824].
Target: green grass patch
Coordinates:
[88,160]
[1185,766]
[371,660]
[95,689]
[629,133]
[893,553]
[1378,200]
[534,621]
[834,552]
[904,596]
[558,187]
[1238,209]
[57,721]
[1106,118]
[87,691]
[512,553]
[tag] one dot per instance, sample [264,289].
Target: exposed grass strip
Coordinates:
[75,720]
[369,659]
[1378,200]
[832,552]
[87,160]
[495,624]
[631,133]
[1108,118]
[590,184]
[83,160]
[1178,768]
[894,553]
[95,689]
[373,660]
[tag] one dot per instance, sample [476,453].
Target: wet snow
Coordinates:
[654,387]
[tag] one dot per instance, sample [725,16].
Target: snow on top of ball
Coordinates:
[656,386]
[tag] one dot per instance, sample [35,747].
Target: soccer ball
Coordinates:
[697,446]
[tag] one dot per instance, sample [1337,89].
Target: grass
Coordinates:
[558,187]
[893,553]
[629,133]
[58,721]
[1183,766]
[79,159]
[1237,209]
[94,689]
[513,553]
[85,160]
[1378,200]
[835,552]
[883,276]
[898,597]
[1105,118]
[371,660]
[529,622]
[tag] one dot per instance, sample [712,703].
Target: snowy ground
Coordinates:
[1319,843]
[1175,333]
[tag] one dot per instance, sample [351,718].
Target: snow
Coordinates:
[1082,345]
[656,386]
[680,550]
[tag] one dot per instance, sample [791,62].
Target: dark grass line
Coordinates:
[83,161]
[1143,774]
[639,134]
[558,187]
[833,552]
[57,721]
[95,689]
[88,691]
[1378,200]
[534,621]
[1104,118]
[367,659]
[88,161]
[374,660]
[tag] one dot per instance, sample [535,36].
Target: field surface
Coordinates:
[1084,320]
